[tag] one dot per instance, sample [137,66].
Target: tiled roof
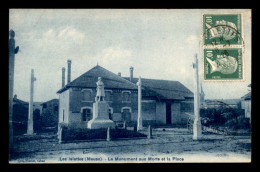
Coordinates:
[18,101]
[164,89]
[52,100]
[161,89]
[247,96]
[110,80]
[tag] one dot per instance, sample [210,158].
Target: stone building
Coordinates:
[246,105]
[163,101]
[50,113]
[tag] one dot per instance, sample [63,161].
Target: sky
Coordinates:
[158,43]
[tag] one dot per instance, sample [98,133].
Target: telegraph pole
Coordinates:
[12,51]
[30,113]
[197,123]
[139,118]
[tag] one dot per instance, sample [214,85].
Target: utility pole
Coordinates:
[139,118]
[12,51]
[197,123]
[30,114]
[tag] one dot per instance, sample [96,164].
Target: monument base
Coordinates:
[29,134]
[100,116]
[100,123]
[197,132]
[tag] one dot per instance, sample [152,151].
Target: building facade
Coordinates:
[246,105]
[163,102]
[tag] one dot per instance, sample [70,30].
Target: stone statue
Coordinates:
[100,110]
[100,90]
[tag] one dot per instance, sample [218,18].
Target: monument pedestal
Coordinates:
[197,133]
[100,116]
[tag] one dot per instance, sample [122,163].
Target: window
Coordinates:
[86,95]
[126,96]
[44,106]
[86,114]
[108,95]
[187,107]
[63,115]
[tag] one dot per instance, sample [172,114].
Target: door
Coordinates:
[168,113]
[126,115]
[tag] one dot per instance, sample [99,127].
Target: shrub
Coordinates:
[239,122]
[71,134]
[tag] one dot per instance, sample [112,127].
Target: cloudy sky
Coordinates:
[159,44]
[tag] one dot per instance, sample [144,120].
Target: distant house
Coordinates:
[246,105]
[20,115]
[50,113]
[163,101]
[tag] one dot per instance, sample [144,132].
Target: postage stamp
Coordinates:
[223,64]
[222,29]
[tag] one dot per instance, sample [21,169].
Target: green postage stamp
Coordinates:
[222,29]
[223,47]
[223,64]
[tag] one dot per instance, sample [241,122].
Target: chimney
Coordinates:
[131,73]
[69,71]
[119,74]
[63,77]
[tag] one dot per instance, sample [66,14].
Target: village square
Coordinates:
[106,117]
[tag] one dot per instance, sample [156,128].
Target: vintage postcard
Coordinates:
[129,85]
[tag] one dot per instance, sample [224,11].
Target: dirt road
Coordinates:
[171,145]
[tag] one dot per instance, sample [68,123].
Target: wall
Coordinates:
[160,113]
[247,104]
[64,105]
[72,102]
[148,113]
[242,104]
[176,115]
[187,108]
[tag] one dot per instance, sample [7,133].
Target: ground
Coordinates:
[166,145]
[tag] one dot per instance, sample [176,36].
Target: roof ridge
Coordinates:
[155,79]
[113,74]
[108,75]
[69,84]
[168,89]
[81,75]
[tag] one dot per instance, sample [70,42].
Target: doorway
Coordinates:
[126,115]
[86,115]
[168,113]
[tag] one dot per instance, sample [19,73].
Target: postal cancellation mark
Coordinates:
[222,29]
[223,47]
